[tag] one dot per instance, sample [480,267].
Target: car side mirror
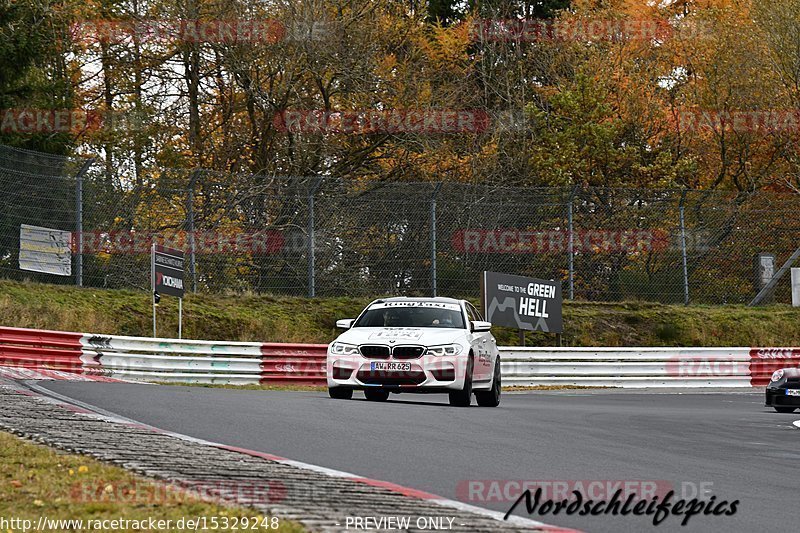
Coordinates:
[480,325]
[345,323]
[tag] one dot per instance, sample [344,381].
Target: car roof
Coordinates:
[439,299]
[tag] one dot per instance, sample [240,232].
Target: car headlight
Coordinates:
[340,348]
[777,375]
[447,349]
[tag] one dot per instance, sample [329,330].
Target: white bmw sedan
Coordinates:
[416,345]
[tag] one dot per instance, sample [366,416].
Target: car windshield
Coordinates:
[412,315]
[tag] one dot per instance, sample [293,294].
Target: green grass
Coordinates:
[213,317]
[38,481]
[285,319]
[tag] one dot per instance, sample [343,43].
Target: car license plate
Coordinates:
[792,392]
[390,366]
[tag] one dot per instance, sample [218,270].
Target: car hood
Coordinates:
[396,336]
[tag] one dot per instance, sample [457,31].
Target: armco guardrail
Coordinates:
[628,367]
[765,361]
[187,361]
[193,361]
[146,359]
[294,363]
[645,367]
[30,348]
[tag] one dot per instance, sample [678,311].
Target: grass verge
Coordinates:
[37,481]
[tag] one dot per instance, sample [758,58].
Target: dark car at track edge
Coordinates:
[783,390]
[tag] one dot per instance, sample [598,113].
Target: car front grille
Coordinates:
[407,352]
[391,377]
[375,351]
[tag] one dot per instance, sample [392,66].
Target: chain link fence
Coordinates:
[312,236]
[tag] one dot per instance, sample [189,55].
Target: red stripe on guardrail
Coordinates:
[34,348]
[765,361]
[297,364]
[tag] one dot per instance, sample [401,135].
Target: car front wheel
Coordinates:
[340,393]
[491,398]
[463,397]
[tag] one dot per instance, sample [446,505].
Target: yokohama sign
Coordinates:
[168,271]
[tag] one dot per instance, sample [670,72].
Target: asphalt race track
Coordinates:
[723,442]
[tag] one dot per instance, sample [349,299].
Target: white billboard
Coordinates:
[45,250]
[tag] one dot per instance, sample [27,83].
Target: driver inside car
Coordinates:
[446,321]
[391,318]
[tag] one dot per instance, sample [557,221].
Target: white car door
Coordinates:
[483,346]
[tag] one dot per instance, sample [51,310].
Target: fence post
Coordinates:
[311,251]
[571,245]
[433,237]
[190,229]
[79,220]
[683,250]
